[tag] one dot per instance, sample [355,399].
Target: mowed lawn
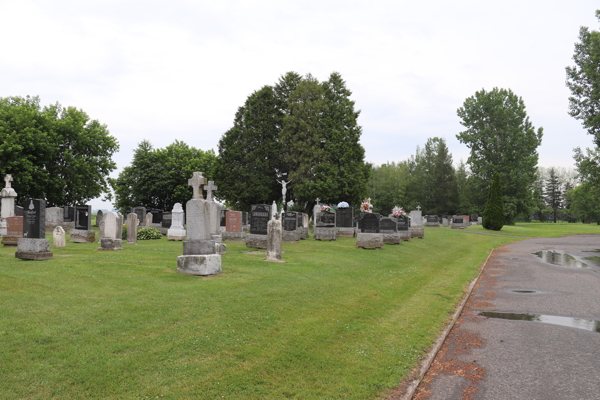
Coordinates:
[543,229]
[332,321]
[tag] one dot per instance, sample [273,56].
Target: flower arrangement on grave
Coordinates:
[398,211]
[327,209]
[366,206]
[343,204]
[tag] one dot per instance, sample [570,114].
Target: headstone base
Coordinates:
[233,236]
[391,238]
[201,265]
[290,236]
[404,235]
[83,236]
[458,226]
[10,241]
[417,232]
[199,247]
[256,241]
[176,234]
[369,240]
[110,244]
[345,232]
[33,249]
[432,224]
[322,233]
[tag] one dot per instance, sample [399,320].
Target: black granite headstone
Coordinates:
[141,214]
[344,217]
[457,220]
[387,224]
[326,219]
[261,213]
[244,218]
[403,223]
[83,217]
[290,221]
[167,219]
[69,214]
[19,211]
[34,220]
[369,223]
[157,215]
[432,219]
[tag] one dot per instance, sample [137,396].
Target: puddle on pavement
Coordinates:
[585,324]
[556,257]
[523,291]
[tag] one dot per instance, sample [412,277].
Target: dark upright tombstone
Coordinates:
[244,218]
[157,215]
[34,221]
[433,219]
[369,223]
[326,219]
[69,214]
[261,214]
[457,220]
[290,221]
[167,219]
[300,220]
[387,224]
[141,214]
[403,223]
[344,217]
[19,211]
[83,217]
[99,216]
[474,218]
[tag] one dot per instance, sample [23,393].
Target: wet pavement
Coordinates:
[530,329]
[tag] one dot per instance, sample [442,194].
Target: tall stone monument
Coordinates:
[214,216]
[177,230]
[34,245]
[8,196]
[199,251]
[274,236]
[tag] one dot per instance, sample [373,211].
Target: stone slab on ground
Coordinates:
[369,240]
[391,238]
[256,241]
[345,232]
[83,236]
[201,265]
[33,249]
[110,244]
[325,233]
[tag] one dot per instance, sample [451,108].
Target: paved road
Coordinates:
[492,358]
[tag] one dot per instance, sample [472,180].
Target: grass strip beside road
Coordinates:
[332,321]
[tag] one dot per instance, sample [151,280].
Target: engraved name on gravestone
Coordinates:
[290,221]
[369,223]
[261,214]
[387,224]
[344,217]
[34,221]
[432,219]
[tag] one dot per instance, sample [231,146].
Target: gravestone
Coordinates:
[260,215]
[111,231]
[416,224]
[176,230]
[33,245]
[69,214]
[369,235]
[432,221]
[131,228]
[148,220]
[388,226]
[290,232]
[99,216]
[7,204]
[480,221]
[223,220]
[157,216]
[58,235]
[167,219]
[83,232]
[274,239]
[445,222]
[325,228]
[233,227]
[344,222]
[54,218]
[215,215]
[403,227]
[141,214]
[200,252]
[14,231]
[458,222]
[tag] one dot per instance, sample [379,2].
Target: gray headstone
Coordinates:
[274,240]
[132,228]
[58,235]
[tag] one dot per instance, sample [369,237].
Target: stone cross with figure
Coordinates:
[8,179]
[209,189]
[196,181]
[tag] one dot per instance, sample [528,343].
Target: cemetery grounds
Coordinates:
[331,322]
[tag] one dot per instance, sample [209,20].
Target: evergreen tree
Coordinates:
[553,193]
[493,215]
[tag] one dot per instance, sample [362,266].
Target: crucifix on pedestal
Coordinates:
[195,182]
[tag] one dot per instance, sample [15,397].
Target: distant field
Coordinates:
[332,322]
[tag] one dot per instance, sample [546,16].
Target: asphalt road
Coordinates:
[531,357]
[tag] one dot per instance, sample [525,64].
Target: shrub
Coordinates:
[148,233]
[493,214]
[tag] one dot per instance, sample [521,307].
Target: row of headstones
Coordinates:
[453,221]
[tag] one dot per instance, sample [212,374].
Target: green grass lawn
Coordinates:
[542,229]
[332,322]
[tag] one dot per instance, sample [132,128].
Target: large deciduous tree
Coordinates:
[583,79]
[158,178]
[502,140]
[54,153]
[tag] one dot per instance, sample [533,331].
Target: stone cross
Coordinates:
[195,182]
[419,208]
[209,189]
[318,200]
[8,179]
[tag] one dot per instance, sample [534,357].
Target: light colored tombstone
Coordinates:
[8,196]
[99,216]
[274,210]
[110,227]
[416,224]
[177,231]
[59,237]
[445,222]
[148,221]
[132,228]
[274,236]
[54,217]
[479,220]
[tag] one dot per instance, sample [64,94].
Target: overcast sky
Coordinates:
[180,69]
